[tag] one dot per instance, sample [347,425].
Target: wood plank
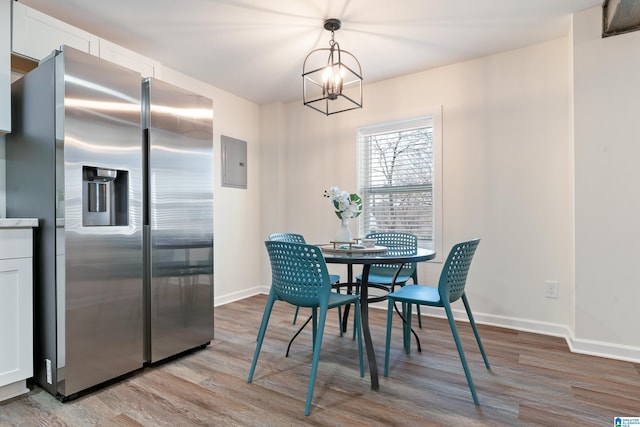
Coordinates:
[534,380]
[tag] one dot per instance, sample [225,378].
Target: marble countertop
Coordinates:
[18,222]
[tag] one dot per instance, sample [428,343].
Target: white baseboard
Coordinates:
[604,349]
[576,345]
[237,296]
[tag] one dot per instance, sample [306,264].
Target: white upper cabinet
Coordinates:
[127,58]
[36,35]
[5,66]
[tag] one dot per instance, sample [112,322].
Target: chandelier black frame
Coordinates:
[332,77]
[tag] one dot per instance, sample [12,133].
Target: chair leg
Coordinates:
[357,292]
[263,328]
[388,341]
[410,331]
[463,359]
[295,316]
[357,327]
[337,288]
[353,337]
[343,326]
[475,330]
[314,326]
[342,320]
[406,327]
[414,277]
[316,357]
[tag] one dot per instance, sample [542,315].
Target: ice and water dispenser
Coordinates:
[105,196]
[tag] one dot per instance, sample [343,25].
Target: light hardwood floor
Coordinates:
[534,380]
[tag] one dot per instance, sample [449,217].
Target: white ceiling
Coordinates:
[255,48]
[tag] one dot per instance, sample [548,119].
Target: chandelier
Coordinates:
[331,77]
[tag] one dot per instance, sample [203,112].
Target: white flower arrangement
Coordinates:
[347,206]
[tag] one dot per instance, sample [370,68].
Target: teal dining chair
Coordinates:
[299,238]
[451,287]
[383,274]
[386,276]
[299,277]
[293,238]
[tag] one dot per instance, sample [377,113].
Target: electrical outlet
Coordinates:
[551,289]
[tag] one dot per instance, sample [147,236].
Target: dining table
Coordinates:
[355,255]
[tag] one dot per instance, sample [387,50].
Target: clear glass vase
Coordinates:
[343,234]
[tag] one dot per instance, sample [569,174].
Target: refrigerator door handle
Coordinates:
[145,178]
[146,286]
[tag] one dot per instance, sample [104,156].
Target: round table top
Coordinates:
[392,255]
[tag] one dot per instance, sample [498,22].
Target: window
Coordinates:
[399,177]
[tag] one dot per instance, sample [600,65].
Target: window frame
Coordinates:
[434,115]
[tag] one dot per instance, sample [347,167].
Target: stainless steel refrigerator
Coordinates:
[124,251]
[178,218]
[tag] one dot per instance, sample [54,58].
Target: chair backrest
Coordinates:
[287,237]
[397,241]
[299,273]
[454,273]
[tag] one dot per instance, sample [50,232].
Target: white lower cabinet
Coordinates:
[16,311]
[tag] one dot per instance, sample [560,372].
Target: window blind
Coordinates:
[396,179]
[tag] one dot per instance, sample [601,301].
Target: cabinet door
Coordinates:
[16,320]
[119,55]
[5,67]
[36,35]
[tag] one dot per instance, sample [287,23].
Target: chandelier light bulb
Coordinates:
[327,74]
